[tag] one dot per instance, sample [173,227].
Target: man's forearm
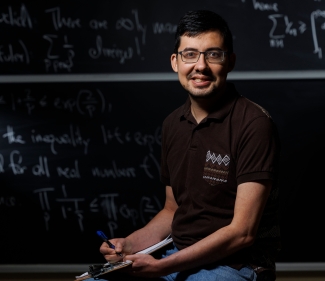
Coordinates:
[156,230]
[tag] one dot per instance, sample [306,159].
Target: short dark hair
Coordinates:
[194,23]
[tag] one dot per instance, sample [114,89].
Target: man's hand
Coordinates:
[112,255]
[144,265]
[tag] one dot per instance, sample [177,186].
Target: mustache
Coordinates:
[205,74]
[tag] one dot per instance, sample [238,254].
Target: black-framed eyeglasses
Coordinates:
[214,56]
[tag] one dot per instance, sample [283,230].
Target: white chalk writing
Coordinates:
[73,138]
[9,55]
[265,6]
[114,172]
[142,139]
[60,22]
[21,20]
[12,138]
[53,61]
[113,52]
[15,164]
[316,14]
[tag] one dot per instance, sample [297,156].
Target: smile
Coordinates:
[201,81]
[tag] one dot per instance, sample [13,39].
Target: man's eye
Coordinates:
[190,54]
[214,54]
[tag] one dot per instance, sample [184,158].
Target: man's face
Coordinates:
[203,79]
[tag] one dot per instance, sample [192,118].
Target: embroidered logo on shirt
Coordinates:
[216,168]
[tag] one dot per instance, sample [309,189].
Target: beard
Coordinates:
[202,93]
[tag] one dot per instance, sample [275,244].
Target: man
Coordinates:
[219,165]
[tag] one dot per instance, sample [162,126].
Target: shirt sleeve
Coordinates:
[258,151]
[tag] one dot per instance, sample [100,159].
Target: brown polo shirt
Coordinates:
[204,163]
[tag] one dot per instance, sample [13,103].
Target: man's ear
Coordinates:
[173,61]
[232,62]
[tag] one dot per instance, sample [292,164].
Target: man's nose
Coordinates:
[202,63]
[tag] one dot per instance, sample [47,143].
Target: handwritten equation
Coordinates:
[74,209]
[68,139]
[87,102]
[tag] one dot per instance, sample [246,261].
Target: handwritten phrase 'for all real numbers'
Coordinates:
[149,164]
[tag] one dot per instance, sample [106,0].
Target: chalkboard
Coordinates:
[80,157]
[76,158]
[65,37]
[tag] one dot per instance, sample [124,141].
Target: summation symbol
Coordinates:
[277,35]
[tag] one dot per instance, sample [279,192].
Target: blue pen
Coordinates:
[105,239]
